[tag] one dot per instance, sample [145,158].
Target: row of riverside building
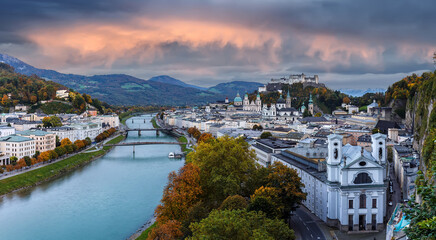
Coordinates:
[19,144]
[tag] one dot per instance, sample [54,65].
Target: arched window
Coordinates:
[336,153]
[362,178]
[380,153]
[362,201]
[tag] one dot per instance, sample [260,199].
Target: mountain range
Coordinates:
[361,92]
[121,89]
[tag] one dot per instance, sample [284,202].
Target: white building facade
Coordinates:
[17,146]
[351,193]
[6,131]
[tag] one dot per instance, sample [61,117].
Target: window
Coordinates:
[362,201]
[350,204]
[380,153]
[335,153]
[374,203]
[362,178]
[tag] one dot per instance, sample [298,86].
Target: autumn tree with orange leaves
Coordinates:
[65,141]
[205,137]
[181,194]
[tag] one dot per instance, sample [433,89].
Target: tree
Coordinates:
[44,156]
[27,160]
[225,165]
[265,135]
[346,100]
[181,193]
[88,141]
[266,199]
[53,154]
[36,154]
[240,224]
[288,184]
[60,150]
[235,202]
[79,144]
[52,121]
[318,114]
[422,215]
[194,132]
[13,160]
[375,130]
[306,113]
[65,141]
[58,141]
[204,137]
[166,231]
[5,100]
[33,99]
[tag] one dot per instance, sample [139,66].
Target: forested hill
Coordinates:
[17,89]
[415,96]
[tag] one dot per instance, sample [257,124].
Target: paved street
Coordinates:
[396,196]
[305,227]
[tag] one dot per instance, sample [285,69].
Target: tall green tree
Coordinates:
[240,224]
[226,164]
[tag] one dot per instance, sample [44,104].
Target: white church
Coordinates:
[282,110]
[253,106]
[348,190]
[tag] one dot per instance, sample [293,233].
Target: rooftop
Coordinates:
[14,138]
[303,163]
[276,143]
[35,132]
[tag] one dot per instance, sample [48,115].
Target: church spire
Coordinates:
[288,100]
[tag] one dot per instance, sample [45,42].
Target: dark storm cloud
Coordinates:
[319,37]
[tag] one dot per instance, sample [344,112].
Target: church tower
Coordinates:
[379,147]
[334,157]
[288,100]
[246,103]
[258,103]
[310,105]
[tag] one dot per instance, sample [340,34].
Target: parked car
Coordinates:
[390,203]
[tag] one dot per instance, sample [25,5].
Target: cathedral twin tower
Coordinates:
[256,105]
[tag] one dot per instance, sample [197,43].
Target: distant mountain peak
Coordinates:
[360,92]
[171,80]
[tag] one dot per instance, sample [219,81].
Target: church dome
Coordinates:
[281,100]
[237,98]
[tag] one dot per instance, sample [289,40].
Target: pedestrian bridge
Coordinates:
[143,143]
[148,129]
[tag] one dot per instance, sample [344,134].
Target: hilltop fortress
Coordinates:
[276,84]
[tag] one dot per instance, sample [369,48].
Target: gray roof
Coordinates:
[302,163]
[314,119]
[276,143]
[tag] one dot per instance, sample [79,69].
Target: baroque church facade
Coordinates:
[253,106]
[282,110]
[348,190]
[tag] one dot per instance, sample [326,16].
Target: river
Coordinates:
[109,198]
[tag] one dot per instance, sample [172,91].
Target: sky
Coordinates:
[349,44]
